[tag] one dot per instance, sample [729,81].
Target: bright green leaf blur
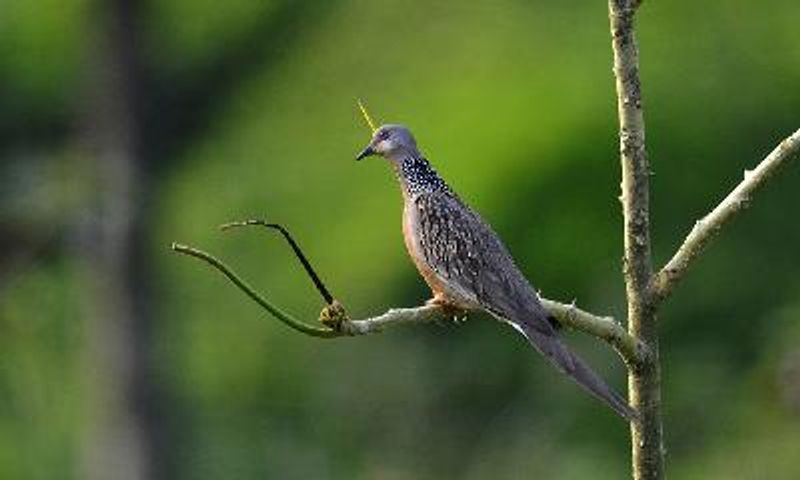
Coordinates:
[513,102]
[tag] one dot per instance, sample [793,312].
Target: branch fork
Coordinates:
[645,290]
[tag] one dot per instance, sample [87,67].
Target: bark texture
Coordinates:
[644,379]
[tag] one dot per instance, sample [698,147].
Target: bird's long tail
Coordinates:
[545,339]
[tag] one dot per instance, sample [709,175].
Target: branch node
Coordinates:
[335,317]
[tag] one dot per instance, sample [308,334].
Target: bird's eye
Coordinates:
[383,135]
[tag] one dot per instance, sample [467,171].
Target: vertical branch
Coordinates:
[643,379]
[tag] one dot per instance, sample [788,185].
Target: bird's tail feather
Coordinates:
[548,343]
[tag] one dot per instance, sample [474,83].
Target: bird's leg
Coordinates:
[449,309]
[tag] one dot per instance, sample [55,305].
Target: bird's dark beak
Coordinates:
[366,152]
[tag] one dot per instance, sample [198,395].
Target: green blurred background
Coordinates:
[127,125]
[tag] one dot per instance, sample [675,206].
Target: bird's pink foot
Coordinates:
[450,310]
[438,301]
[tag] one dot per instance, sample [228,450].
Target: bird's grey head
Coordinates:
[390,141]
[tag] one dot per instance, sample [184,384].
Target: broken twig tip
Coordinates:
[241,223]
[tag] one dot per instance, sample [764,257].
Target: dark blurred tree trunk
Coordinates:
[120,433]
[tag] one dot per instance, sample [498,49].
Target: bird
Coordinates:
[467,266]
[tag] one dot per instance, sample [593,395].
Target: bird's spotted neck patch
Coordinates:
[418,176]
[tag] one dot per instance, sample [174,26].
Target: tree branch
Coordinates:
[605,328]
[275,311]
[644,383]
[635,195]
[336,322]
[298,252]
[707,228]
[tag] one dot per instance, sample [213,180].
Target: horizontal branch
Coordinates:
[709,226]
[336,322]
[602,327]
[394,317]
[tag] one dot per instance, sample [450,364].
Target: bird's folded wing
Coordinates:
[467,254]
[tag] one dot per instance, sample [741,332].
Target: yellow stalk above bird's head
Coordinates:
[366,116]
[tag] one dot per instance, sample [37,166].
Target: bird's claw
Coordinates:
[450,311]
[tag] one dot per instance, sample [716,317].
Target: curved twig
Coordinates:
[297,251]
[276,312]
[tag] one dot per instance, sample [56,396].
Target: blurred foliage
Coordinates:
[513,102]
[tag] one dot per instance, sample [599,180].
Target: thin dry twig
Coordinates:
[708,227]
[321,288]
